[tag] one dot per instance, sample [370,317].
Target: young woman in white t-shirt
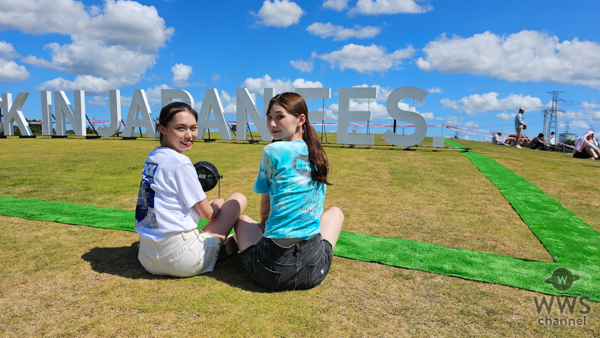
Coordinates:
[171,201]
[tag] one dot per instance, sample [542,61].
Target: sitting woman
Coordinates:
[292,246]
[171,202]
[587,147]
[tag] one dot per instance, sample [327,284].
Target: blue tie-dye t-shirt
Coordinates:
[296,200]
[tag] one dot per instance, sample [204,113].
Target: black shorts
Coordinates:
[302,265]
[581,154]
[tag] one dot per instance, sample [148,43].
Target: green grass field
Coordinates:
[65,280]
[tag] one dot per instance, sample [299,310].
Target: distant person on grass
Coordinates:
[496,139]
[171,202]
[552,142]
[292,245]
[586,147]
[519,126]
[539,143]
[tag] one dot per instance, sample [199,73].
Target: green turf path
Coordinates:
[572,243]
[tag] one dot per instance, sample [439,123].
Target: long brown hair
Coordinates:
[294,104]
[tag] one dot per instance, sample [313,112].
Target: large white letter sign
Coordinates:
[13,113]
[212,101]
[115,115]
[139,103]
[167,96]
[63,112]
[345,115]
[246,106]
[268,94]
[315,93]
[46,113]
[406,116]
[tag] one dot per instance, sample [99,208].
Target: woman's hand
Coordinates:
[209,209]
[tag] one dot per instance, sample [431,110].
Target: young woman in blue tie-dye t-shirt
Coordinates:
[292,245]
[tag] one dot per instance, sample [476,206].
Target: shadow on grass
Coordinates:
[123,261]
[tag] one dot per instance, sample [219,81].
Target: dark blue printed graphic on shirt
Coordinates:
[144,211]
[296,200]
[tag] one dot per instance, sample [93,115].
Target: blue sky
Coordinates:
[479,60]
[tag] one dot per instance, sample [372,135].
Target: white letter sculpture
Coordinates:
[167,96]
[64,112]
[406,116]
[345,115]
[212,101]
[246,106]
[115,115]
[46,113]
[13,113]
[139,103]
[315,93]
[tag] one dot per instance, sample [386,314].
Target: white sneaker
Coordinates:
[518,146]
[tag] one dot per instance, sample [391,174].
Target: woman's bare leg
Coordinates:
[591,151]
[331,224]
[227,217]
[247,232]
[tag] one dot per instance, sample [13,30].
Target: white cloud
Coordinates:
[154,94]
[482,103]
[339,33]
[126,100]
[427,116]
[338,5]
[434,90]
[579,124]
[279,13]
[112,44]
[98,101]
[589,113]
[88,83]
[256,85]
[376,7]
[96,58]
[589,105]
[117,22]
[181,73]
[366,59]
[455,121]
[382,93]
[303,66]
[7,51]
[379,110]
[216,77]
[229,103]
[524,56]
[10,71]
[506,116]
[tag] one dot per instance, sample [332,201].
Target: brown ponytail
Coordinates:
[294,104]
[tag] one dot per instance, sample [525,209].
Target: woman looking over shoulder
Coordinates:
[292,246]
[171,202]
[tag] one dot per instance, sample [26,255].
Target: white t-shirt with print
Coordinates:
[168,192]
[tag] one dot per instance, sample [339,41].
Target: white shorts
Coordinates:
[180,254]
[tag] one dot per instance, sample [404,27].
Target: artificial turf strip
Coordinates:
[572,243]
[69,213]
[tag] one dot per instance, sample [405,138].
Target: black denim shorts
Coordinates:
[302,265]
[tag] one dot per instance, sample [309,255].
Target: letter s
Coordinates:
[396,96]
[588,308]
